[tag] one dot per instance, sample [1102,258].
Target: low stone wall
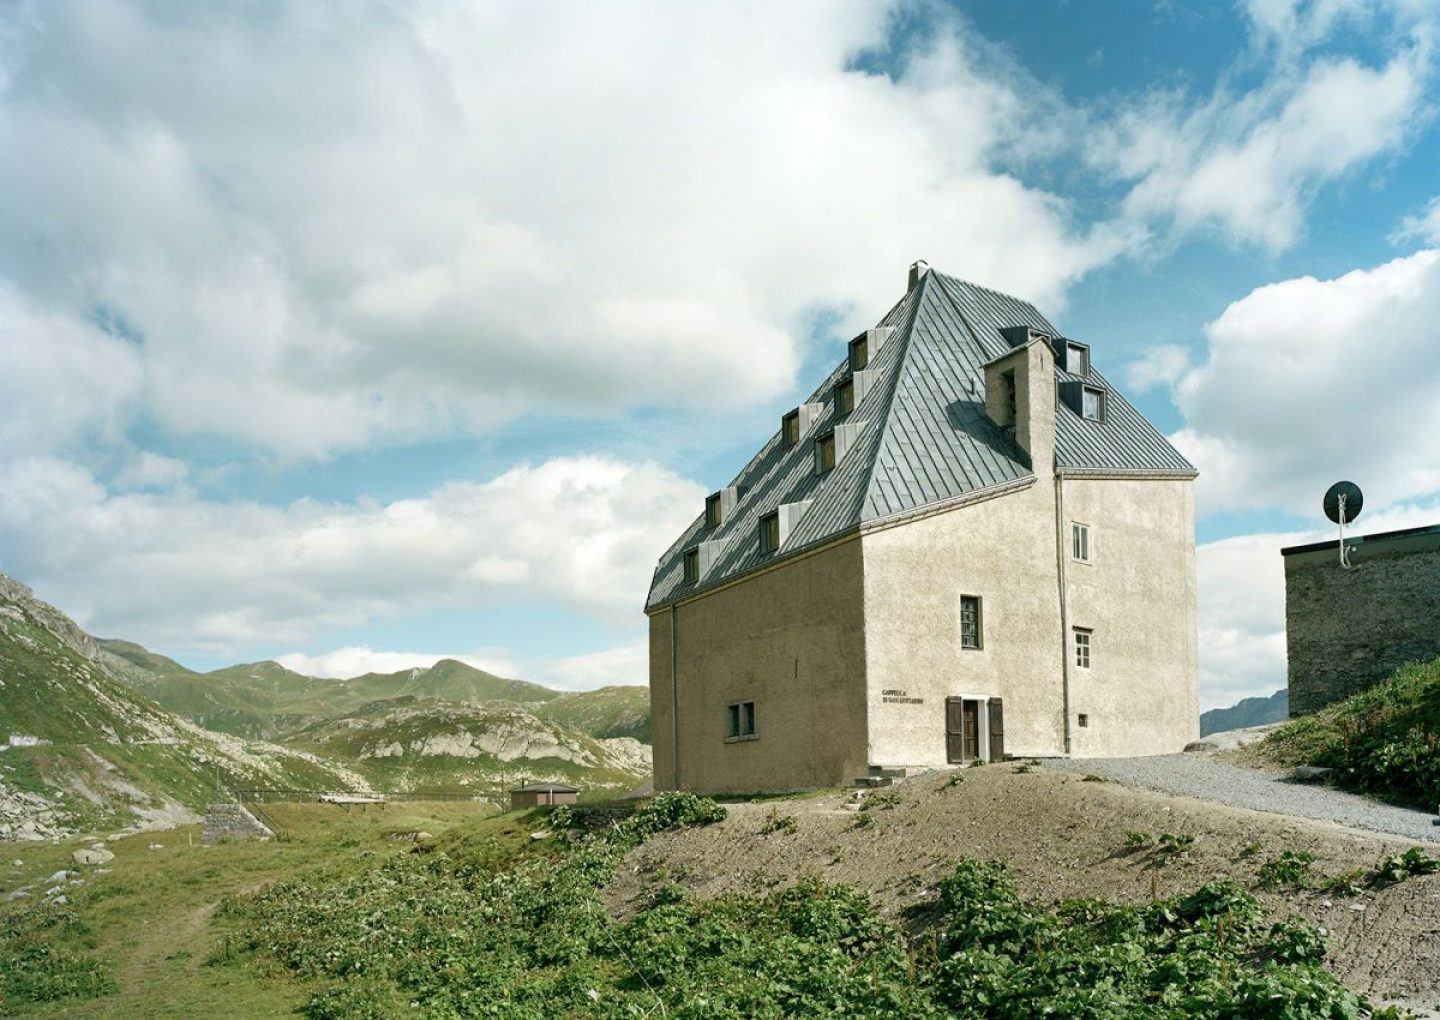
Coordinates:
[232,821]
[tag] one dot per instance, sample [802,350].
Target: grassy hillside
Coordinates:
[423,744]
[606,712]
[1384,741]
[81,749]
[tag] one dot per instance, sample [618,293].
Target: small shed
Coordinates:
[543,795]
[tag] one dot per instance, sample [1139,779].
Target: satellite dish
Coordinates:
[1346,495]
[1343,501]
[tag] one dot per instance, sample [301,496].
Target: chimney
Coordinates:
[918,268]
[1020,397]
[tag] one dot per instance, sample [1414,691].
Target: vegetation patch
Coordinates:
[44,958]
[1384,741]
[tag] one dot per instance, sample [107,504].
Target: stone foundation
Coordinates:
[232,821]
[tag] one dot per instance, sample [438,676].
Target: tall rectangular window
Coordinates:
[844,398]
[770,532]
[825,453]
[1012,413]
[1080,541]
[859,352]
[970,632]
[1077,359]
[1092,404]
[740,721]
[790,428]
[692,566]
[1083,646]
[712,511]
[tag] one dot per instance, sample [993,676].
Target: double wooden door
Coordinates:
[964,718]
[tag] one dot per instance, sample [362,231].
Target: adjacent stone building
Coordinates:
[966,544]
[1348,629]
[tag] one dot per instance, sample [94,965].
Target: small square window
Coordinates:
[712,511]
[740,721]
[770,532]
[1092,403]
[790,428]
[1083,646]
[692,565]
[970,633]
[1080,541]
[844,398]
[1084,721]
[859,353]
[1077,359]
[825,453]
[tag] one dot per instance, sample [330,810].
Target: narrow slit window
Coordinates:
[824,453]
[692,564]
[1007,382]
[844,398]
[1083,646]
[790,428]
[970,633]
[770,532]
[1080,541]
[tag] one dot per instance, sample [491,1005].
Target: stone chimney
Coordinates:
[1020,397]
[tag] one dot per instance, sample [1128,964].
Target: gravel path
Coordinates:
[1196,775]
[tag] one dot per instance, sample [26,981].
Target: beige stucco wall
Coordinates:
[791,640]
[1138,596]
[1002,550]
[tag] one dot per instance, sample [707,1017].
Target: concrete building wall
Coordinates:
[1348,629]
[792,640]
[1002,550]
[1136,595]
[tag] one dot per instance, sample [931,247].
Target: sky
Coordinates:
[358,335]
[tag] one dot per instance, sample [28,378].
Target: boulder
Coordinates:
[90,858]
[1201,745]
[1309,773]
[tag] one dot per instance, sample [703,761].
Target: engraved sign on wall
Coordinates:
[893,696]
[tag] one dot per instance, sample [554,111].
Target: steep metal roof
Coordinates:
[926,437]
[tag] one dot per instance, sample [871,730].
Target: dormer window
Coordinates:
[770,532]
[790,428]
[692,565]
[844,398]
[713,511]
[825,453]
[859,352]
[1092,403]
[1077,359]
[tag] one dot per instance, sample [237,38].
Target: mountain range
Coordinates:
[106,733]
[1246,713]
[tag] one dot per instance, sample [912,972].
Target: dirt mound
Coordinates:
[1063,837]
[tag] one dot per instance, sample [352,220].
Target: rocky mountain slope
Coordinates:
[80,749]
[1246,713]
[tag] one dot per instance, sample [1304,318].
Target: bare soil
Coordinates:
[1063,837]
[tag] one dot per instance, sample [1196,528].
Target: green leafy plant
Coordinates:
[776,822]
[1137,840]
[1291,870]
[1398,867]
[1174,844]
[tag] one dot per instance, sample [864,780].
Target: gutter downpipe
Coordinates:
[674,706]
[1064,606]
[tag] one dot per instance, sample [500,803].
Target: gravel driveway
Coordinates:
[1200,776]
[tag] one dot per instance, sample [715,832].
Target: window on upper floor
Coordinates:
[770,532]
[971,635]
[844,398]
[1077,359]
[713,511]
[1084,644]
[692,565]
[824,453]
[859,352]
[1080,541]
[1092,403]
[790,428]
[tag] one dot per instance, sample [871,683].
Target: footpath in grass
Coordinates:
[138,936]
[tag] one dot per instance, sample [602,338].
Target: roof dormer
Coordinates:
[1071,355]
[796,423]
[1089,401]
[1019,336]
[865,346]
[718,505]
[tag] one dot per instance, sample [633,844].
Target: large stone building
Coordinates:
[1348,628]
[965,544]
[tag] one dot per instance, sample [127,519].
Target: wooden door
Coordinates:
[954,730]
[971,713]
[997,729]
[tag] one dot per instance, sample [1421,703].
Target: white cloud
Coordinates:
[1307,381]
[176,570]
[357,660]
[627,664]
[328,230]
[1160,365]
[1423,226]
